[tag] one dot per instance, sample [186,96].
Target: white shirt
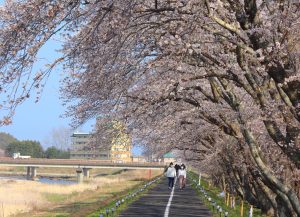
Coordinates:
[171,172]
[182,173]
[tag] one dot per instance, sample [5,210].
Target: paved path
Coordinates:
[184,203]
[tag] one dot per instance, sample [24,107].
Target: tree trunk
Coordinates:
[291,195]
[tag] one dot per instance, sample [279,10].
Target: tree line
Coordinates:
[35,150]
[217,81]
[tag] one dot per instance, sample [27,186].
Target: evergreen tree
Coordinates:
[27,147]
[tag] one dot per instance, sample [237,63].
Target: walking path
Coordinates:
[155,203]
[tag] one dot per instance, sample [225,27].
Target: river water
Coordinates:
[42,180]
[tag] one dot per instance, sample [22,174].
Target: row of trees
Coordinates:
[6,139]
[34,149]
[217,80]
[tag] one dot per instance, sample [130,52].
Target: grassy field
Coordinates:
[45,200]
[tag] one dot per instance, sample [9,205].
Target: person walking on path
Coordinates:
[177,167]
[171,174]
[182,177]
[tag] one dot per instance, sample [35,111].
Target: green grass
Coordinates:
[55,197]
[51,197]
[213,192]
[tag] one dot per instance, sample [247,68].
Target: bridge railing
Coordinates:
[8,160]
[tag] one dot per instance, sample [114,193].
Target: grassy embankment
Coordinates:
[213,192]
[39,199]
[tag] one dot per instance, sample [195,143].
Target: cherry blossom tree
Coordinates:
[216,79]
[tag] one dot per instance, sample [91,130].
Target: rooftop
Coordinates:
[169,155]
[80,134]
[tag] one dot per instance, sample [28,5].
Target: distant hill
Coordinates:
[6,139]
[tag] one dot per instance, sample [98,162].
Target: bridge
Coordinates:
[82,166]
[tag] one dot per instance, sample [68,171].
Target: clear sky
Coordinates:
[35,121]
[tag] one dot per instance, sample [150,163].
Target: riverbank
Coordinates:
[39,199]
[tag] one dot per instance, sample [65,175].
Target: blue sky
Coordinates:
[35,121]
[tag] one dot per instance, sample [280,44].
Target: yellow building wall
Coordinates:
[121,144]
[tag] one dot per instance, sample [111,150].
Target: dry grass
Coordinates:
[2,168]
[24,196]
[7,169]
